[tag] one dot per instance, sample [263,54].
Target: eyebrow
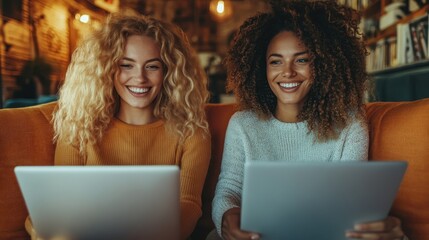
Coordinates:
[279,55]
[148,61]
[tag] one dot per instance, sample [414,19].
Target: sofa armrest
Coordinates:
[25,139]
[400,131]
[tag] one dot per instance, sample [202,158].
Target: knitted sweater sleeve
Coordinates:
[229,186]
[193,170]
[356,141]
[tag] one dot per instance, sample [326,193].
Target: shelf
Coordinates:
[414,65]
[391,30]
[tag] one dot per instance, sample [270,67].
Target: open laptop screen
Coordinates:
[102,202]
[316,200]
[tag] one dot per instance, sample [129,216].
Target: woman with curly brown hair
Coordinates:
[134,94]
[298,74]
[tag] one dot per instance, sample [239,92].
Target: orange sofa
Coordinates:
[398,130]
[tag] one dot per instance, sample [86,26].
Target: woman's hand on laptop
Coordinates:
[231,226]
[29,227]
[389,228]
[33,234]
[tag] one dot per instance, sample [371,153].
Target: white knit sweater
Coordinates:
[249,138]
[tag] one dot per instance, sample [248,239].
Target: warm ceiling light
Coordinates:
[83,18]
[220,9]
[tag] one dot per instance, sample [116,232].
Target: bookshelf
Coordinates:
[397,66]
[392,45]
[391,30]
[384,24]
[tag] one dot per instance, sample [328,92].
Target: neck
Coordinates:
[136,116]
[287,113]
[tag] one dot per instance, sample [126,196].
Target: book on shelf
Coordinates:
[404,44]
[419,35]
[382,55]
[412,40]
[392,58]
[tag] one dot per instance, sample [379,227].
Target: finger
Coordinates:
[370,236]
[359,235]
[238,235]
[381,226]
[396,233]
[231,226]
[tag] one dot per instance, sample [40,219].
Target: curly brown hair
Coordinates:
[337,54]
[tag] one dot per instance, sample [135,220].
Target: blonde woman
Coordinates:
[134,95]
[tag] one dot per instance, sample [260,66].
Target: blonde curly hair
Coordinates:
[88,99]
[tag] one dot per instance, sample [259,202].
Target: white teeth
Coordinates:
[289,85]
[138,90]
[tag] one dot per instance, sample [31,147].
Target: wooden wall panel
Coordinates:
[54,21]
[53,36]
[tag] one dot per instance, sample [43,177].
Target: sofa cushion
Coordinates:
[218,116]
[25,139]
[400,131]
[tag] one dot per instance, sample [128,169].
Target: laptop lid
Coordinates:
[102,202]
[316,200]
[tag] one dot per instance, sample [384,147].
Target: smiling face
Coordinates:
[140,78]
[288,70]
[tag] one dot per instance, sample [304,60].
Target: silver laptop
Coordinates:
[102,202]
[301,201]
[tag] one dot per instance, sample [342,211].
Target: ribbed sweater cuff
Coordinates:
[221,208]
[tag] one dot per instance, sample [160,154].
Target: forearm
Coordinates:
[193,170]
[229,186]
[189,215]
[221,204]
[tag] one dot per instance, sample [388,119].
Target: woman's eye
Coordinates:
[125,66]
[303,60]
[152,67]
[275,62]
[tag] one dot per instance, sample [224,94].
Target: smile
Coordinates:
[138,90]
[290,85]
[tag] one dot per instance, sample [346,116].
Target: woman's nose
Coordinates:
[288,71]
[141,75]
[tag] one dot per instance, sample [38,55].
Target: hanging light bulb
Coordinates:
[83,18]
[220,9]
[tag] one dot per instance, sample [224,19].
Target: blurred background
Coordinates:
[37,38]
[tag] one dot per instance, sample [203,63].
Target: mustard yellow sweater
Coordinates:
[151,144]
